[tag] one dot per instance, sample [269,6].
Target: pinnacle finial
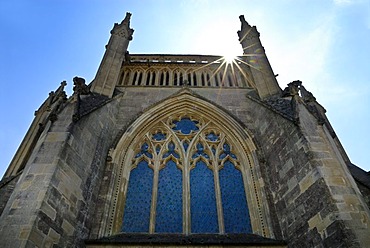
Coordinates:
[245,29]
[127,18]
[244,22]
[242,19]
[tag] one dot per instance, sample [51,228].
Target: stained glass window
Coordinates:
[234,203]
[159,136]
[183,178]
[185,125]
[202,199]
[169,203]
[139,194]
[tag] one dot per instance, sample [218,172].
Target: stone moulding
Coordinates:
[185,104]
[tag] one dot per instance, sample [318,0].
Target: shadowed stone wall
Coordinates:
[6,189]
[61,197]
[56,194]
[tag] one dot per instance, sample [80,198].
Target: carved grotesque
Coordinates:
[292,89]
[80,87]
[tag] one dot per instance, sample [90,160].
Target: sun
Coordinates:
[229,58]
[231,53]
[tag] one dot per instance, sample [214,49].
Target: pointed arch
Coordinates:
[188,131]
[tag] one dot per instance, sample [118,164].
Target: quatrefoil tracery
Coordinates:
[185,137]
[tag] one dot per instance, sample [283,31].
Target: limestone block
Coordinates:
[48,210]
[36,236]
[24,232]
[51,239]
[67,227]
[309,180]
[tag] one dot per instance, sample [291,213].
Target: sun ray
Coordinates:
[231,69]
[245,35]
[249,64]
[251,83]
[233,74]
[252,45]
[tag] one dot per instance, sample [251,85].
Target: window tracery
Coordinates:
[196,183]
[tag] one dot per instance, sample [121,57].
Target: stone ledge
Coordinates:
[192,239]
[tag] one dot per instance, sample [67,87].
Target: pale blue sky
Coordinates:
[324,43]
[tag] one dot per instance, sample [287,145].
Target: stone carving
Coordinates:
[300,95]
[127,19]
[80,87]
[53,104]
[123,29]
[244,23]
[292,89]
[247,32]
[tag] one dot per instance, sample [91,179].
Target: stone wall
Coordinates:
[55,197]
[7,186]
[294,158]
[17,223]
[61,197]
[264,124]
[365,192]
[73,191]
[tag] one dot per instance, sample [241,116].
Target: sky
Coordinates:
[323,43]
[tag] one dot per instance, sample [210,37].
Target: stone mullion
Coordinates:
[130,78]
[146,74]
[135,76]
[171,78]
[185,184]
[186,197]
[234,80]
[186,187]
[212,79]
[157,77]
[215,167]
[220,214]
[123,77]
[156,165]
[198,76]
[153,206]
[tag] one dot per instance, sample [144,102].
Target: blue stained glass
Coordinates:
[227,151]
[186,145]
[213,150]
[171,151]
[234,203]
[200,152]
[202,200]
[144,150]
[169,201]
[157,149]
[159,136]
[186,126]
[138,199]
[212,136]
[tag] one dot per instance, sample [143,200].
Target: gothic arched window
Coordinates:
[186,177]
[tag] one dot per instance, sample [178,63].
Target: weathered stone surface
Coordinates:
[6,189]
[300,175]
[193,239]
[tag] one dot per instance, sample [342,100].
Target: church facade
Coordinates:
[164,150]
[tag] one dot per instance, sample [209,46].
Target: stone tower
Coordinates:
[183,150]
